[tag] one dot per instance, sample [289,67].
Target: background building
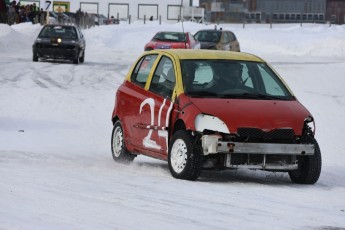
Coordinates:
[335,11]
[283,11]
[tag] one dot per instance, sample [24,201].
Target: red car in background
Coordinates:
[172,40]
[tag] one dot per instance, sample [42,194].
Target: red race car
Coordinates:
[172,40]
[212,109]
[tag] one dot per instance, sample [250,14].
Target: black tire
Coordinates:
[185,157]
[34,57]
[82,58]
[309,168]
[118,147]
[148,49]
[76,60]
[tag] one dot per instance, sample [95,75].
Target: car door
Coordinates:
[156,107]
[135,93]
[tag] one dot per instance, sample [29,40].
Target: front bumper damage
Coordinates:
[266,156]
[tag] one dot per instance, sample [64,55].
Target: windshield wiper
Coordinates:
[171,40]
[266,96]
[202,94]
[252,96]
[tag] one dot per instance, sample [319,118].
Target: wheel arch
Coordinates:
[114,119]
[179,125]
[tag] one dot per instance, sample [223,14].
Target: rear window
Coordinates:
[170,36]
[208,36]
[58,31]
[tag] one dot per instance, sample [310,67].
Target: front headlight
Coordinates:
[38,45]
[208,122]
[309,125]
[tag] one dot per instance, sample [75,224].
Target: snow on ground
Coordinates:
[56,168]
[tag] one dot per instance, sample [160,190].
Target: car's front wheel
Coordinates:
[76,59]
[309,168]
[185,156]
[34,57]
[118,147]
[82,58]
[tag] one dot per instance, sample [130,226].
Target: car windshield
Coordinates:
[232,79]
[58,31]
[208,36]
[170,36]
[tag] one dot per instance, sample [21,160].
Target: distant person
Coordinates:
[34,7]
[11,15]
[86,20]
[111,20]
[77,17]
[3,11]
[59,10]
[42,16]
[231,77]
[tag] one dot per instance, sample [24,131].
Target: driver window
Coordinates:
[163,81]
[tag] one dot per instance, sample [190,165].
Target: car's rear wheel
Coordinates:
[309,168]
[118,147]
[34,57]
[185,157]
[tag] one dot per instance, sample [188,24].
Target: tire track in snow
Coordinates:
[41,76]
